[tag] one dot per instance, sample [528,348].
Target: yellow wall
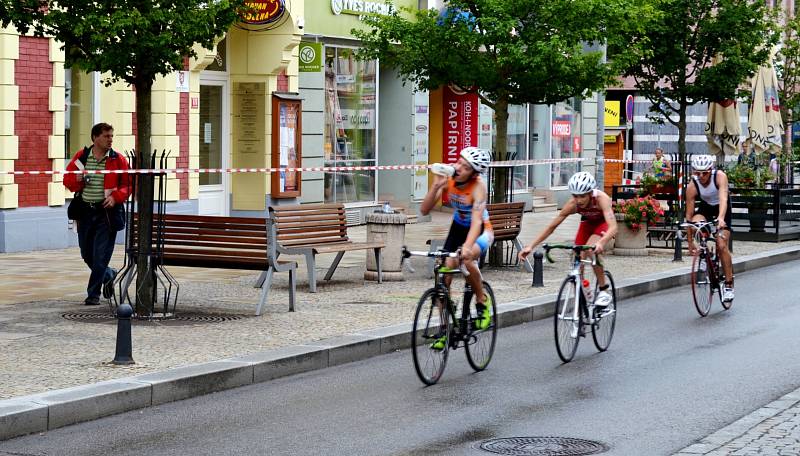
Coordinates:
[9,103]
[258,58]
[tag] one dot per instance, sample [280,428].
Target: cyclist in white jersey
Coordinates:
[711,186]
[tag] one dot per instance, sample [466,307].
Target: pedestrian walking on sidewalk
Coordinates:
[97,207]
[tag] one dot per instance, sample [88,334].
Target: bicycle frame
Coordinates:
[705,231]
[577,273]
[443,292]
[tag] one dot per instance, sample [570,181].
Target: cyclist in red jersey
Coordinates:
[598,225]
[470,230]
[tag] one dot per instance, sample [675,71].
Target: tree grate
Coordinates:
[543,446]
[179,319]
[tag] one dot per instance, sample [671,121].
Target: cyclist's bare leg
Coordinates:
[471,259]
[598,269]
[690,234]
[725,254]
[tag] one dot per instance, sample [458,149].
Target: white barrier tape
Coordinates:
[326,169]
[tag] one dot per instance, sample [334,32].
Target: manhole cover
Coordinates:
[543,446]
[181,318]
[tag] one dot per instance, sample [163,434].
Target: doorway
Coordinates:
[214,148]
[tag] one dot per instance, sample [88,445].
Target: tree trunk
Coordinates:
[501,175]
[145,275]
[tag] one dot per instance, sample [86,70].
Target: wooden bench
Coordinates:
[506,221]
[222,242]
[314,229]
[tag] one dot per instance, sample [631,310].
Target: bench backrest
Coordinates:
[506,219]
[228,239]
[309,224]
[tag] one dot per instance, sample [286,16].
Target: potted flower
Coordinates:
[751,185]
[651,184]
[635,214]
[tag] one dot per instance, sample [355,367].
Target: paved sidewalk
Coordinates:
[771,430]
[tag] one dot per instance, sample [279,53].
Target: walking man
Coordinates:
[102,213]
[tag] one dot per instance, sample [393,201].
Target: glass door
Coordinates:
[214,150]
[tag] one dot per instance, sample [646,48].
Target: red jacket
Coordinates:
[119,183]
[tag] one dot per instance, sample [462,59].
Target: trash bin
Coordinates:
[389,228]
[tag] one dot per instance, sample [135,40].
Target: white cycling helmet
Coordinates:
[702,162]
[478,158]
[581,183]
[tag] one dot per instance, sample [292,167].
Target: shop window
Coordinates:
[517,138]
[350,125]
[566,143]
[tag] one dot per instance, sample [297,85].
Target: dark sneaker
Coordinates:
[92,301]
[108,285]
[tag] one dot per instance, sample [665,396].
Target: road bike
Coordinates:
[707,275]
[442,324]
[575,309]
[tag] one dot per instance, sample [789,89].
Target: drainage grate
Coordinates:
[181,318]
[543,446]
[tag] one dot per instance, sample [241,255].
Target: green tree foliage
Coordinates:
[510,51]
[134,41]
[787,66]
[675,68]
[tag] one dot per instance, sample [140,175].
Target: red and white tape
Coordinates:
[324,169]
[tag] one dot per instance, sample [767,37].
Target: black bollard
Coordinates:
[678,255]
[124,353]
[538,275]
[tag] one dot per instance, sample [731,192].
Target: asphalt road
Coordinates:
[669,378]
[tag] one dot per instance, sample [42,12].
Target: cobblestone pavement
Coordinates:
[771,430]
[40,350]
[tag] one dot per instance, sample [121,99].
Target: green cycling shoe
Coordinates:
[484,314]
[439,344]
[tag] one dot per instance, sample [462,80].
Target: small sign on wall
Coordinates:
[310,57]
[182,82]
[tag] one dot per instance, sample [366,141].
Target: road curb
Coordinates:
[58,408]
[712,444]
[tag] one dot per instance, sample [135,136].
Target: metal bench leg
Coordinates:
[292,283]
[526,263]
[378,264]
[264,290]
[260,280]
[312,272]
[334,265]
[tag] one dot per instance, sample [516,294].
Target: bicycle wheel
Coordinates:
[567,327]
[431,324]
[702,283]
[480,344]
[605,318]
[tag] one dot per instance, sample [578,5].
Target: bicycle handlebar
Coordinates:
[574,248]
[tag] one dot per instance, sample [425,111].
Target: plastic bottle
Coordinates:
[387,208]
[443,169]
[587,291]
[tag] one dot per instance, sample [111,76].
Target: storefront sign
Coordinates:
[356,119]
[260,12]
[182,82]
[359,7]
[460,122]
[421,144]
[310,57]
[562,128]
[611,118]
